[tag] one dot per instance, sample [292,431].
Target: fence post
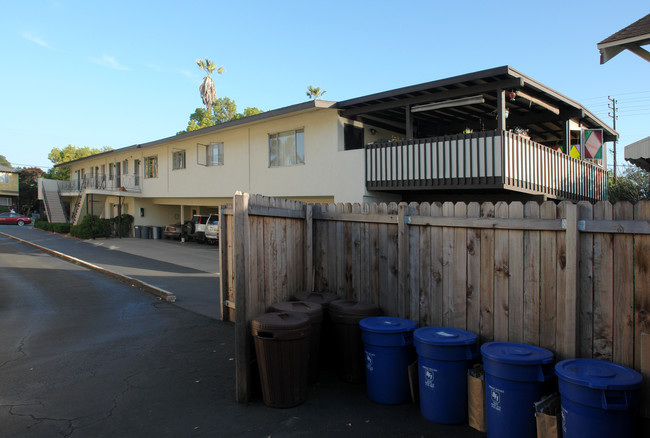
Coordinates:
[403,304]
[241,265]
[569,347]
[223,263]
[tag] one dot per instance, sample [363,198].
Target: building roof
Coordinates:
[631,38]
[638,153]
[537,107]
[541,109]
[8,169]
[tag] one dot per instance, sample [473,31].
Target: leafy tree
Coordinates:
[207,90]
[223,110]
[28,189]
[69,153]
[315,92]
[4,161]
[633,185]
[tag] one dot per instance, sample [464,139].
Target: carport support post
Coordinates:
[241,261]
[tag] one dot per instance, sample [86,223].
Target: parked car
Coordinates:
[195,229]
[173,231]
[14,219]
[212,229]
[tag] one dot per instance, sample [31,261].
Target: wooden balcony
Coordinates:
[483,161]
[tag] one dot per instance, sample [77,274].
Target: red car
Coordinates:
[14,219]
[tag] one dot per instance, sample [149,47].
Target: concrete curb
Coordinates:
[166,295]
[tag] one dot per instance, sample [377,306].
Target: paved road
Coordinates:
[83,355]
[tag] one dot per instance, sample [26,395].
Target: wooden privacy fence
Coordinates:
[573,278]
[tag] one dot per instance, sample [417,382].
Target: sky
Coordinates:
[118,73]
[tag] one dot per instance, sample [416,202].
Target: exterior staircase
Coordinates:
[52,200]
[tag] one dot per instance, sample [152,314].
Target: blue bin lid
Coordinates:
[518,354]
[387,324]
[598,374]
[444,336]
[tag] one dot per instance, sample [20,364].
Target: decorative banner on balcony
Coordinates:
[575,151]
[593,141]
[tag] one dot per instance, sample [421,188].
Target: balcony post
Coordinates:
[409,123]
[501,110]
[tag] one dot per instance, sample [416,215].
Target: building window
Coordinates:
[215,154]
[151,167]
[178,160]
[352,137]
[287,148]
[4,178]
[5,201]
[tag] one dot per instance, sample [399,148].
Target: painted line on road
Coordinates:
[162,293]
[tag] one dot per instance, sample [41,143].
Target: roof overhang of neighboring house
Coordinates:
[8,169]
[449,106]
[638,153]
[629,38]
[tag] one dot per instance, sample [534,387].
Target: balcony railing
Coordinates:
[129,183]
[484,160]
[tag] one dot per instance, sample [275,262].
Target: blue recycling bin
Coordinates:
[388,352]
[599,398]
[516,376]
[444,356]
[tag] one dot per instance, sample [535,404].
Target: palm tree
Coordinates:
[208,92]
[314,92]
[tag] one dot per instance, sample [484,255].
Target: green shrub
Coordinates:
[126,224]
[62,227]
[90,227]
[43,225]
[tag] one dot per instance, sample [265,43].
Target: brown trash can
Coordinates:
[282,347]
[346,314]
[314,312]
[324,298]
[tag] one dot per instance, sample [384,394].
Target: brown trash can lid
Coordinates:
[280,322]
[322,298]
[356,308]
[313,310]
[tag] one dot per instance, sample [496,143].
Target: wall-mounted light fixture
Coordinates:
[449,103]
[373,131]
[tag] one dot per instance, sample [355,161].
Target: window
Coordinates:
[352,137]
[4,178]
[5,201]
[178,160]
[287,148]
[215,154]
[151,167]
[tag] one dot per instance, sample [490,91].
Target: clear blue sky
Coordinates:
[118,73]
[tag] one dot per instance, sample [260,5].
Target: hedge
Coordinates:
[92,226]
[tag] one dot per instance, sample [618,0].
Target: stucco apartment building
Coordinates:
[493,133]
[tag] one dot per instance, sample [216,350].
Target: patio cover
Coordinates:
[631,38]
[638,153]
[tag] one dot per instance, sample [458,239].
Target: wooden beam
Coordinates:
[433,97]
[241,266]
[501,110]
[616,227]
[638,50]
[489,223]
[555,110]
[409,122]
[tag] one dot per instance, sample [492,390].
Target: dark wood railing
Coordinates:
[483,160]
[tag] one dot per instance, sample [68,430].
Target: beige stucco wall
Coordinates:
[329,174]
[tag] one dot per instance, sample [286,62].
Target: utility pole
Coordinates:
[614,117]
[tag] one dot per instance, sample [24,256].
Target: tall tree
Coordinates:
[208,92]
[69,153]
[223,110]
[4,161]
[315,92]
[28,189]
